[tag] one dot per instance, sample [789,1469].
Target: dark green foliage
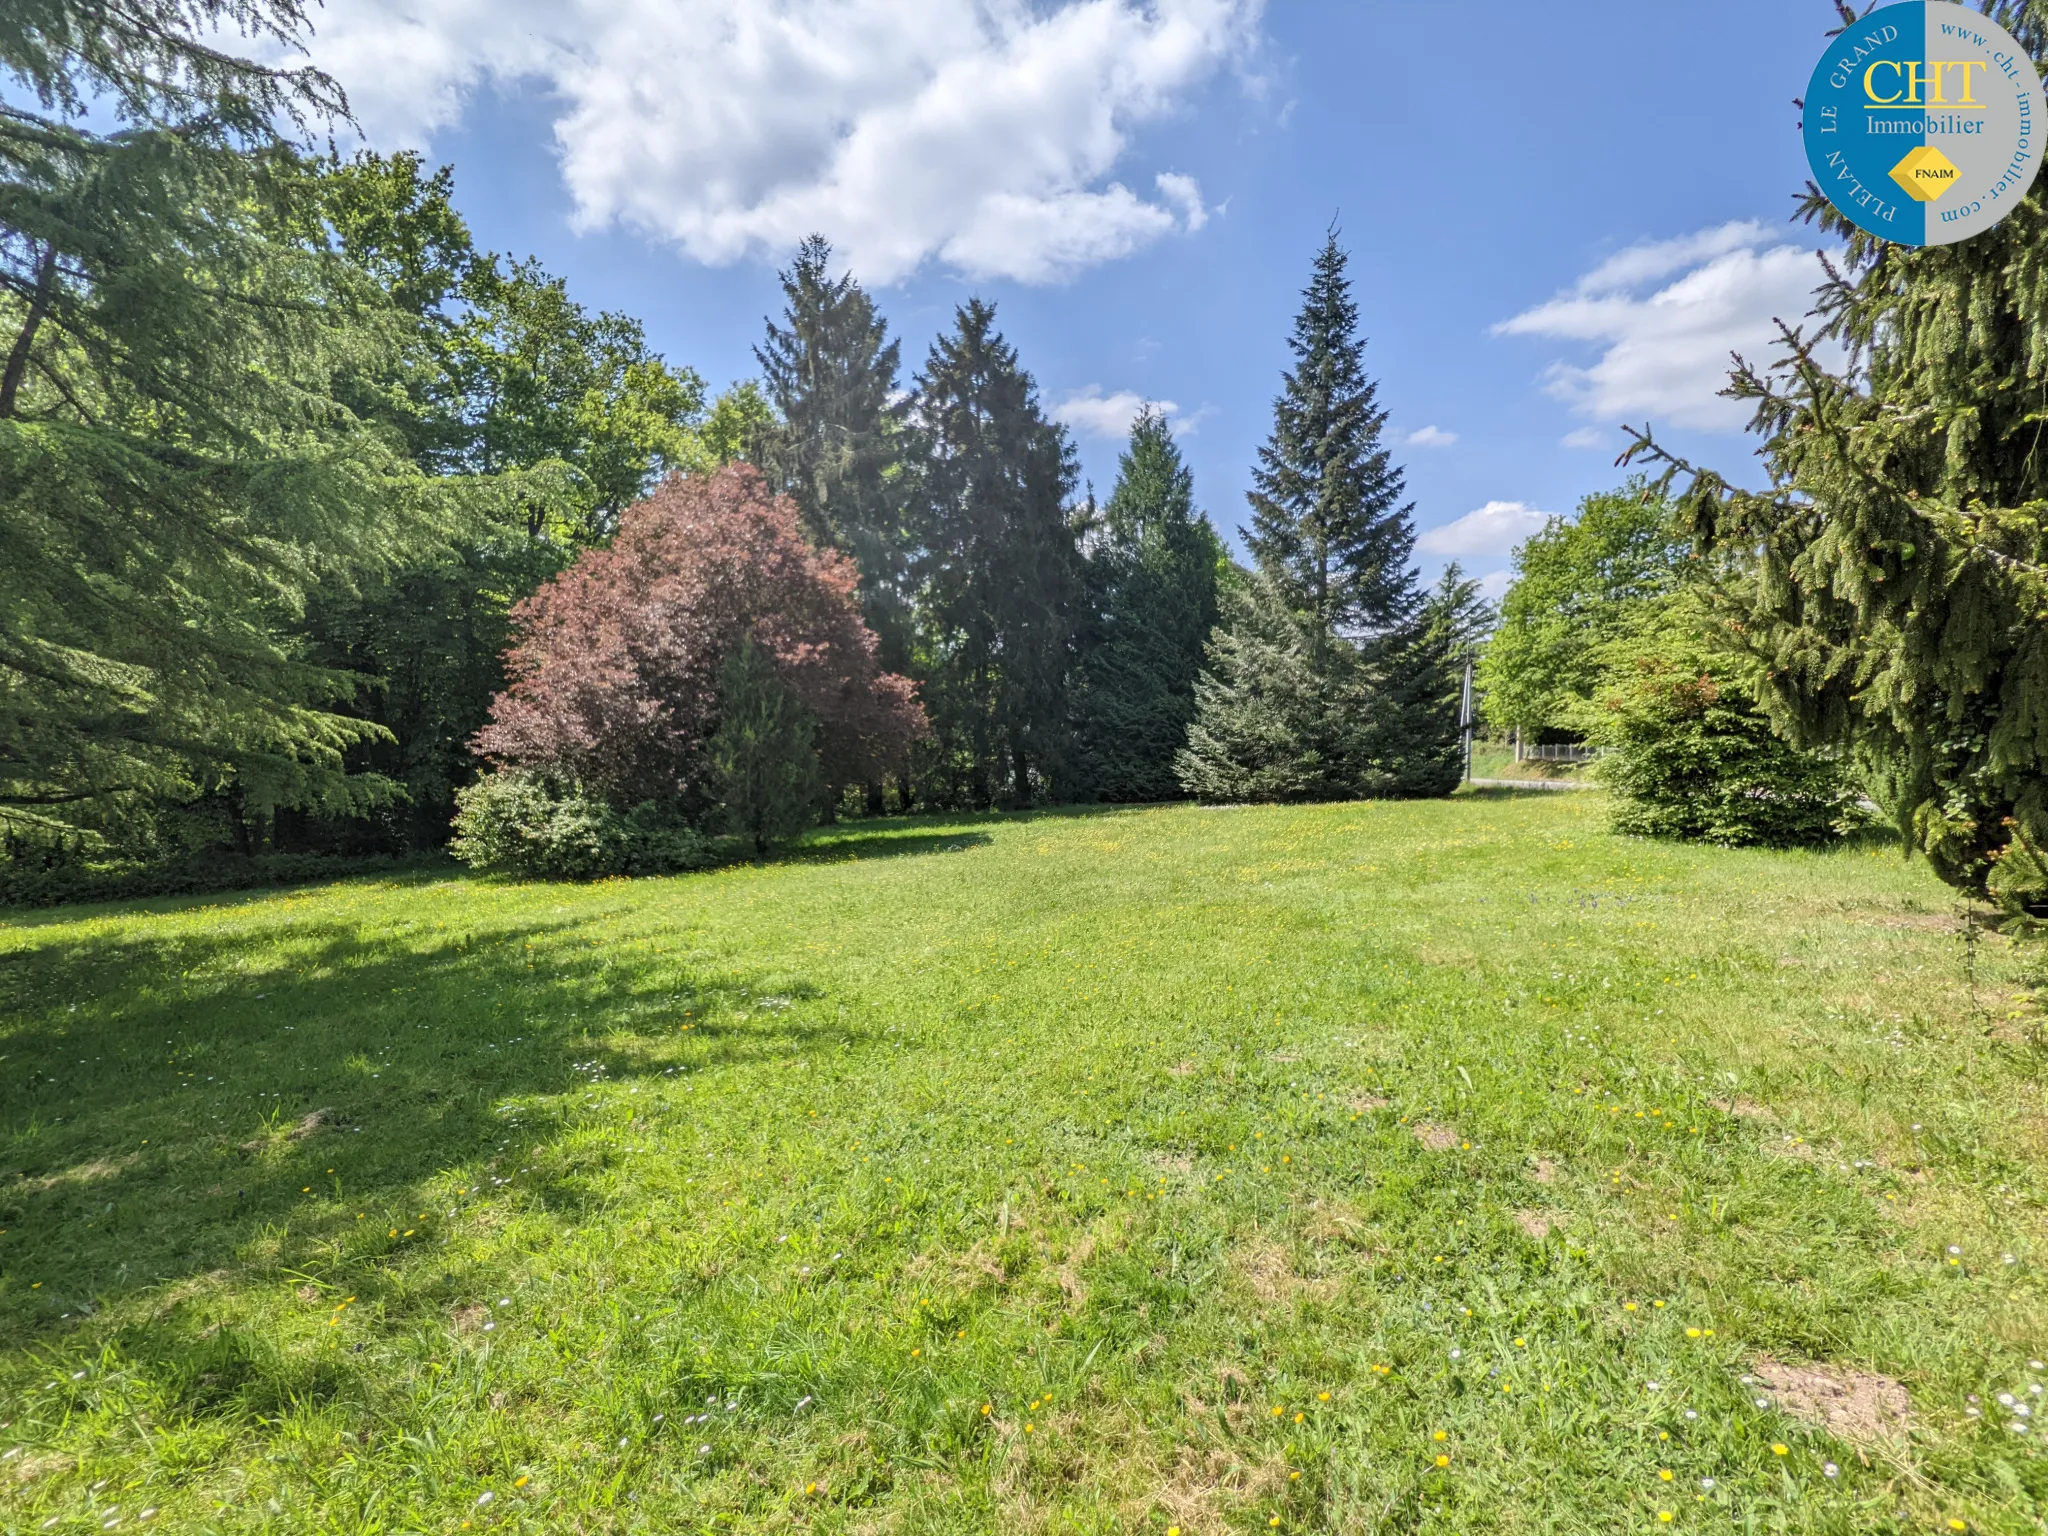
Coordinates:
[1694,757]
[1153,574]
[1892,584]
[1328,679]
[999,571]
[1328,524]
[519,824]
[1275,712]
[764,754]
[180,468]
[1578,584]
[1412,743]
[838,444]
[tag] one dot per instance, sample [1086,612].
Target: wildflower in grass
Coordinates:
[1829,1469]
[521,1482]
[1779,1448]
[1707,1483]
[1278,1411]
[1665,1474]
[1665,1516]
[1322,1397]
[1443,1461]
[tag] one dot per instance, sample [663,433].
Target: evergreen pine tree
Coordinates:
[1354,678]
[1153,575]
[999,570]
[1275,711]
[1329,526]
[1412,740]
[837,449]
[764,754]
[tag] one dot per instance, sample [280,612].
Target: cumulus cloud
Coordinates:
[1494,585]
[1431,436]
[982,133]
[1092,413]
[1493,530]
[1666,315]
[1583,437]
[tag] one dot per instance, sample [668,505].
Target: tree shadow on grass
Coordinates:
[172,1105]
[840,846]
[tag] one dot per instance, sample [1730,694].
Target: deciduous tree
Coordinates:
[615,673]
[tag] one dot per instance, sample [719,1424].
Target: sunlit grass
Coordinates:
[1439,1167]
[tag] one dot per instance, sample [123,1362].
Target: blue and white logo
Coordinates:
[1923,123]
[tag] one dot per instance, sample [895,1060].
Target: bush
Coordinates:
[519,824]
[1694,758]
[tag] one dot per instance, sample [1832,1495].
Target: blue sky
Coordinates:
[1560,218]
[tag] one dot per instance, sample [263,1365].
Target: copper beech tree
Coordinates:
[615,668]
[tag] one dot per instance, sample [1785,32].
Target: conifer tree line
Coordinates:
[306,488]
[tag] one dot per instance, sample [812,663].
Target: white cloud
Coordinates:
[1431,436]
[1092,413]
[1494,585]
[983,133]
[1583,437]
[1666,348]
[1495,529]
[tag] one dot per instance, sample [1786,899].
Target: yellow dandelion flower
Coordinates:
[1443,1461]
[1781,1449]
[1664,1474]
[1322,1397]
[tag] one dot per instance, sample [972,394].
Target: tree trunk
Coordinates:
[39,306]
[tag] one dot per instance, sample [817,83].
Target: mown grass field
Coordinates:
[1449,1168]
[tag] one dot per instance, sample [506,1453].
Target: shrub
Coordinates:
[1694,758]
[519,824]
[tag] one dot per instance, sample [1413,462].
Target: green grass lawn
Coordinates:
[1450,1167]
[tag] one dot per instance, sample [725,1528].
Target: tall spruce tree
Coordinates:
[837,449]
[1329,526]
[999,569]
[1332,538]
[1153,576]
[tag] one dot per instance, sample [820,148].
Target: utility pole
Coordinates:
[1465,716]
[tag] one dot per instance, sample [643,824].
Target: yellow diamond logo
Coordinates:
[1925,173]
